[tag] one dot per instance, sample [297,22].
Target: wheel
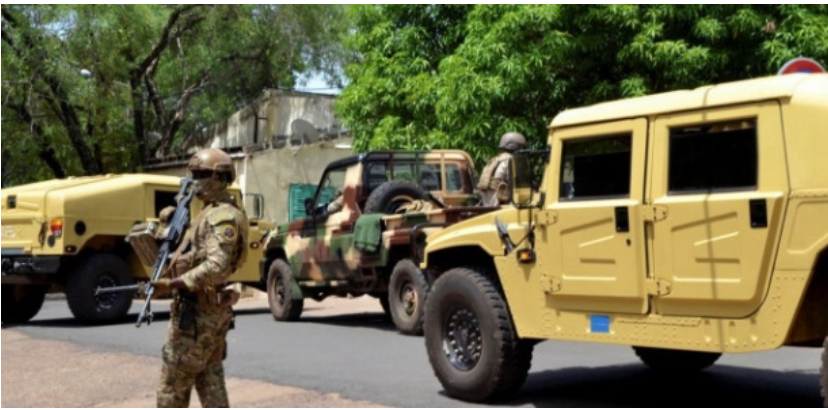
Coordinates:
[407,292]
[668,360]
[390,196]
[99,270]
[282,305]
[471,342]
[824,374]
[22,302]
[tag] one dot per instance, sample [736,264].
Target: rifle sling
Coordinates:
[188,237]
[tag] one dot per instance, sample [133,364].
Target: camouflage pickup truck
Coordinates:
[357,237]
[68,235]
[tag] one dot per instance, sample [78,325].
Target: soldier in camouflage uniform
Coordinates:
[494,184]
[201,312]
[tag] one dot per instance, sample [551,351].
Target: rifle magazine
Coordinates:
[142,237]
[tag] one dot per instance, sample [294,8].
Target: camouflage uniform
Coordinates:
[494,181]
[201,314]
[493,185]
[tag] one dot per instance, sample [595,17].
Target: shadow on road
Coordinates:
[353,320]
[367,320]
[638,386]
[376,321]
[251,311]
[70,322]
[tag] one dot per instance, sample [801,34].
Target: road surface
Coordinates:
[343,353]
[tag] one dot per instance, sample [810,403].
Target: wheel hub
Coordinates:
[281,292]
[408,297]
[462,339]
[106,301]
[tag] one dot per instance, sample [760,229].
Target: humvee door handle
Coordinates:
[622,219]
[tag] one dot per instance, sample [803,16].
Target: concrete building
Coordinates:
[282,139]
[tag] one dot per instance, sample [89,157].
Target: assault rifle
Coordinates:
[177,224]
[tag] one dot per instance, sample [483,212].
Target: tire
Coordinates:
[488,363]
[282,306]
[22,302]
[824,374]
[674,361]
[407,293]
[390,196]
[99,270]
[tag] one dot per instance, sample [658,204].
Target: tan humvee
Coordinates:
[686,225]
[68,235]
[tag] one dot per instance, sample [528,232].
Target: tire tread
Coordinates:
[511,369]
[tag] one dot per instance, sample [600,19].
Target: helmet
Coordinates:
[512,141]
[212,170]
[214,161]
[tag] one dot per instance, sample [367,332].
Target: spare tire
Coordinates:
[390,196]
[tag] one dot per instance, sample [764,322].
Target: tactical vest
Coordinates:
[217,213]
[486,177]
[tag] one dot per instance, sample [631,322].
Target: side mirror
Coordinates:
[254,206]
[309,202]
[521,173]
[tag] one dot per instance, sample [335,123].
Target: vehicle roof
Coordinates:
[450,154]
[120,180]
[759,89]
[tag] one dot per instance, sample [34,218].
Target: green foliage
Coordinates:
[458,76]
[152,75]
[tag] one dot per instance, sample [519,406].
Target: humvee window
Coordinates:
[164,199]
[713,157]
[596,168]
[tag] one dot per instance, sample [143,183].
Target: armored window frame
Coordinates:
[596,168]
[163,199]
[713,157]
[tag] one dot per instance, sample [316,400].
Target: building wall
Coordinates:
[271,172]
[277,111]
[270,154]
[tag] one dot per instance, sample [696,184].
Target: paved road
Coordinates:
[344,354]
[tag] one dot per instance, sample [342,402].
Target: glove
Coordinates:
[162,286]
[229,296]
[165,214]
[182,264]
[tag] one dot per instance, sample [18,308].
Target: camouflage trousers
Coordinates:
[193,358]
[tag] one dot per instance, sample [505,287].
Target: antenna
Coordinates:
[303,133]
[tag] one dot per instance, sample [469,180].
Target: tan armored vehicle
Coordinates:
[361,229]
[67,235]
[686,225]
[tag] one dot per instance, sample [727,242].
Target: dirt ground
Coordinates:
[31,378]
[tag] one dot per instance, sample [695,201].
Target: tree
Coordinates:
[92,89]
[450,76]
